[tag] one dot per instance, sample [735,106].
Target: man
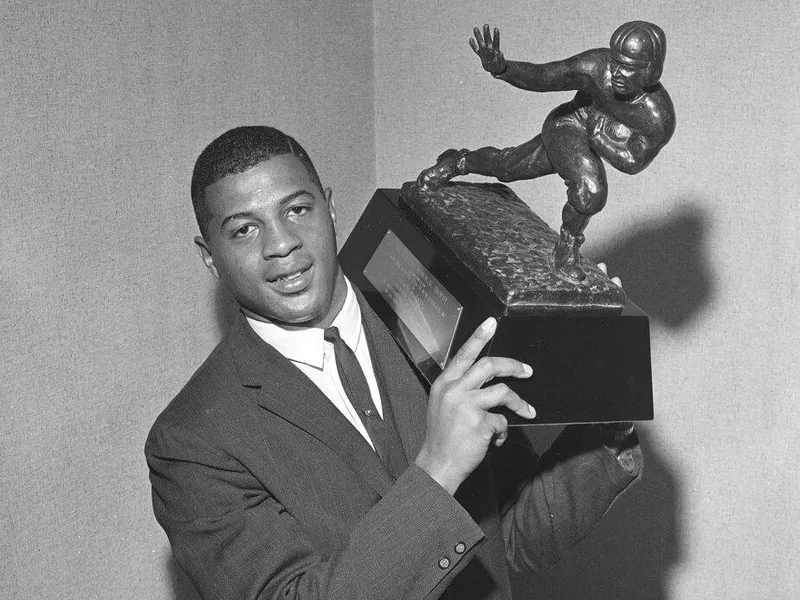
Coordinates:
[620,113]
[271,477]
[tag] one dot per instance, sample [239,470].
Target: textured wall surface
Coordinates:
[705,242]
[105,309]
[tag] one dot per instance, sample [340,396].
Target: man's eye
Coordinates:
[299,210]
[242,231]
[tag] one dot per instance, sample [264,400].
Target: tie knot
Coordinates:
[332,335]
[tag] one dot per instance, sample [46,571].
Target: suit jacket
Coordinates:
[266,491]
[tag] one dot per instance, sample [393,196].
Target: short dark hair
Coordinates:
[236,151]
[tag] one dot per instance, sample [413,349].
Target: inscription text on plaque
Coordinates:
[420,301]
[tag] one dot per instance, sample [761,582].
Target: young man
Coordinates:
[274,479]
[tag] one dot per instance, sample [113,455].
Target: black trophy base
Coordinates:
[586,369]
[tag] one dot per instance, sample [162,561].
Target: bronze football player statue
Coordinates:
[620,113]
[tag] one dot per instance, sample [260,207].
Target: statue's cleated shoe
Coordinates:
[566,258]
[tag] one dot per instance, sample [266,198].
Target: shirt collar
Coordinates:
[307,344]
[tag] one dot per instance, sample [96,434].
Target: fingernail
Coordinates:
[527,370]
[532,411]
[489,324]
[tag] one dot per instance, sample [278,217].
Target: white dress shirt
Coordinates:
[308,350]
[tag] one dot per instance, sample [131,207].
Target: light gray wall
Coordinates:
[704,240]
[105,309]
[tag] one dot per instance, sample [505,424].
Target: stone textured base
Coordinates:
[505,245]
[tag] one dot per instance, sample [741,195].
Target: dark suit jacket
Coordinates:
[266,491]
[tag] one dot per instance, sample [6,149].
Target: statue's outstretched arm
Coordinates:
[573,73]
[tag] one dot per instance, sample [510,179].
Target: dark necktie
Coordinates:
[382,433]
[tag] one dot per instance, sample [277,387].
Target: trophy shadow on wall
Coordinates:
[664,265]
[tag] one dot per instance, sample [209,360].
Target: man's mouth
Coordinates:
[292,281]
[290,276]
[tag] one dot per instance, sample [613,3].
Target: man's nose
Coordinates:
[280,240]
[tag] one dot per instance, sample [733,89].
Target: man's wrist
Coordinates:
[440,475]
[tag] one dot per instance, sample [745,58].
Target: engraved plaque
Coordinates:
[428,311]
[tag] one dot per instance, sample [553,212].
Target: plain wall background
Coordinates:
[106,310]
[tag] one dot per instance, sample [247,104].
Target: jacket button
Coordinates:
[444,562]
[460,548]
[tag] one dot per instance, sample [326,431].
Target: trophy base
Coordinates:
[489,230]
[587,367]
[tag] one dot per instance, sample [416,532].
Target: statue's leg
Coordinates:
[527,161]
[585,177]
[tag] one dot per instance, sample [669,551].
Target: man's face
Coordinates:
[627,79]
[272,242]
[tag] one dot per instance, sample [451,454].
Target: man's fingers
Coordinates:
[499,425]
[469,352]
[473,45]
[604,269]
[502,395]
[487,36]
[490,367]
[478,37]
[496,40]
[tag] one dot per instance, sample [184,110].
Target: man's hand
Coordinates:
[604,269]
[488,50]
[459,425]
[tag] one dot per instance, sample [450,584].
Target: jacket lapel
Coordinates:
[288,393]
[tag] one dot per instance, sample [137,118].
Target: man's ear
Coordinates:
[328,193]
[205,254]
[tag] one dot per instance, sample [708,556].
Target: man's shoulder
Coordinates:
[211,385]
[218,371]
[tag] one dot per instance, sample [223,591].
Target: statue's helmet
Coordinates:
[640,44]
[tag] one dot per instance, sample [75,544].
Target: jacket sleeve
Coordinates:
[236,541]
[563,495]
